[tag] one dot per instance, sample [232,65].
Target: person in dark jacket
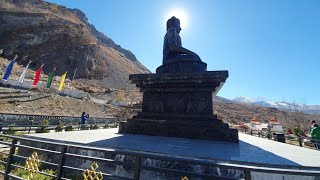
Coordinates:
[84,119]
[315,134]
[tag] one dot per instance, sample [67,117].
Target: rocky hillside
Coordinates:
[235,113]
[99,102]
[57,36]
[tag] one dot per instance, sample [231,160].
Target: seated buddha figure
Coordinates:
[172,47]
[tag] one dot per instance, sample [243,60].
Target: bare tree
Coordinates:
[298,116]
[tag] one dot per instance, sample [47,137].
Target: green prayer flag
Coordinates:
[49,81]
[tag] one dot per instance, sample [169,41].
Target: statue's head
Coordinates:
[175,23]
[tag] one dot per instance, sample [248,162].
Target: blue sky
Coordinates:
[271,48]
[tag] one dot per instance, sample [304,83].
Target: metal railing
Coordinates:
[15,118]
[61,155]
[311,143]
[27,129]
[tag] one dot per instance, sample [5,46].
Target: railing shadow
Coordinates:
[242,153]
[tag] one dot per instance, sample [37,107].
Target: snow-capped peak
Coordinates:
[279,105]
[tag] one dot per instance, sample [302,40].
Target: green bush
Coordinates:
[298,132]
[2,167]
[45,122]
[68,128]
[42,130]
[24,174]
[85,127]
[10,131]
[95,127]
[59,128]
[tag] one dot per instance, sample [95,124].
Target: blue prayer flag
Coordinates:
[8,70]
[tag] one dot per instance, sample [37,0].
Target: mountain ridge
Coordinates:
[282,105]
[56,36]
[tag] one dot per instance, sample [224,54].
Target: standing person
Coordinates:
[84,119]
[315,134]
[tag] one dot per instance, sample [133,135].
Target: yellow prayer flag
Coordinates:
[63,77]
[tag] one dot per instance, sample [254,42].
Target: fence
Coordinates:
[11,129]
[7,119]
[297,140]
[65,152]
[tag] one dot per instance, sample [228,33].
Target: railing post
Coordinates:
[9,160]
[247,174]
[62,159]
[136,172]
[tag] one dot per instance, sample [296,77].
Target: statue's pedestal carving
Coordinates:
[179,105]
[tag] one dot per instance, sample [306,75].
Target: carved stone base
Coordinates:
[209,130]
[179,105]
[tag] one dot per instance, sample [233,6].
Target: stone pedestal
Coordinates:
[179,105]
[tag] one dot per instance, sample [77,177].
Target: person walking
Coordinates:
[315,134]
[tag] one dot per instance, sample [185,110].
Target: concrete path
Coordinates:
[249,149]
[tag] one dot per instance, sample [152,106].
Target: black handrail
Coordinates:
[137,156]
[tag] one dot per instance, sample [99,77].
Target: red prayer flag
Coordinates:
[36,78]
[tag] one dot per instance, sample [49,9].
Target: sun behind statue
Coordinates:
[180,14]
[177,59]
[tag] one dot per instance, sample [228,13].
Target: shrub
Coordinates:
[2,167]
[95,127]
[298,132]
[24,174]
[42,130]
[45,122]
[85,127]
[11,130]
[68,128]
[59,128]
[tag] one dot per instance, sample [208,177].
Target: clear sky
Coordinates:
[271,48]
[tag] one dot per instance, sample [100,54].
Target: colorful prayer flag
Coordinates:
[21,79]
[63,77]
[37,76]
[8,70]
[51,75]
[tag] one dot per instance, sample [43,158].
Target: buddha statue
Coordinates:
[177,59]
[172,47]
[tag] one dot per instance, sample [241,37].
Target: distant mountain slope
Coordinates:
[58,36]
[282,105]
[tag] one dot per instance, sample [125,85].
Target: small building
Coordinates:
[275,125]
[255,125]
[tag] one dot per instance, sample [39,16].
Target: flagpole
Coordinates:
[74,74]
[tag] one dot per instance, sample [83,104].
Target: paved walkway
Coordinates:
[249,149]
